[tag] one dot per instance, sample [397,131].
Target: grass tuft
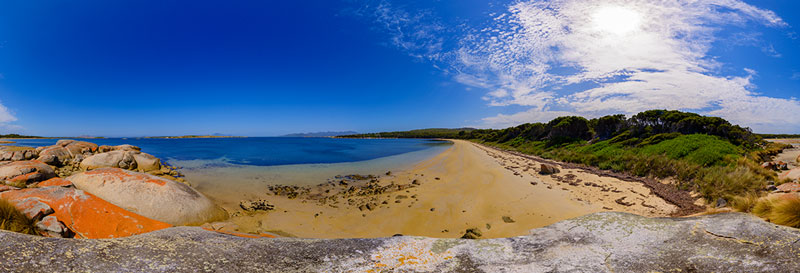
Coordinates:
[745,203]
[783,210]
[12,219]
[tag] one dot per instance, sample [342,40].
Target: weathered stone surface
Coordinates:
[602,242]
[127,147]
[255,205]
[150,196]
[112,159]
[122,158]
[85,214]
[32,207]
[50,226]
[18,155]
[55,182]
[791,174]
[548,169]
[80,147]
[789,187]
[146,162]
[7,188]
[25,172]
[54,155]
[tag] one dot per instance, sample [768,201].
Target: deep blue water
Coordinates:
[264,151]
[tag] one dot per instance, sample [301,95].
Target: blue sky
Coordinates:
[260,68]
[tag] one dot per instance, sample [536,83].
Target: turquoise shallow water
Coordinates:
[240,165]
[265,151]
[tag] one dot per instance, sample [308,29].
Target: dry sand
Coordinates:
[466,186]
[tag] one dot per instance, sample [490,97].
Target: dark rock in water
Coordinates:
[255,205]
[721,202]
[548,169]
[508,219]
[601,242]
[472,233]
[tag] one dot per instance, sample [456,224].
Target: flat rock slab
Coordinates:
[601,242]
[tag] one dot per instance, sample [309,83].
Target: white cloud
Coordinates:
[592,57]
[636,55]
[6,117]
[416,33]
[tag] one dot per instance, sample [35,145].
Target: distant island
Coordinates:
[17,136]
[321,134]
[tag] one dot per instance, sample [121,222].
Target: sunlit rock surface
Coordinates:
[602,242]
[150,196]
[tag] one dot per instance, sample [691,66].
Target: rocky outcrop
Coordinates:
[81,214]
[150,196]
[18,155]
[788,187]
[21,173]
[124,159]
[54,155]
[603,242]
[548,169]
[793,174]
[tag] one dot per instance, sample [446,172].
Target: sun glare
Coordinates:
[616,20]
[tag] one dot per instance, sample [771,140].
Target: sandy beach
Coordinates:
[466,186]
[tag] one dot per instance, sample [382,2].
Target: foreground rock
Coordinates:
[21,173]
[602,242]
[66,211]
[150,196]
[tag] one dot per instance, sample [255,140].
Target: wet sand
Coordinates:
[466,186]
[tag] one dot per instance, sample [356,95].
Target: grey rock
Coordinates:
[256,205]
[546,169]
[601,242]
[721,202]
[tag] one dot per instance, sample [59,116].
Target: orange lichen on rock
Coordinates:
[87,215]
[26,172]
[55,182]
[7,188]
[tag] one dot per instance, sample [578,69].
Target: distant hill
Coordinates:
[420,133]
[17,136]
[321,134]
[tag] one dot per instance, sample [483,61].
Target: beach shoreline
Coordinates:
[468,186]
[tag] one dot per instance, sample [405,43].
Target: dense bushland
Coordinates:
[704,154]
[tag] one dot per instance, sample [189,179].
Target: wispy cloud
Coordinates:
[418,33]
[592,57]
[6,118]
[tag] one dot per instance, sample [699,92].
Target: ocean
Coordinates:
[244,164]
[264,151]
